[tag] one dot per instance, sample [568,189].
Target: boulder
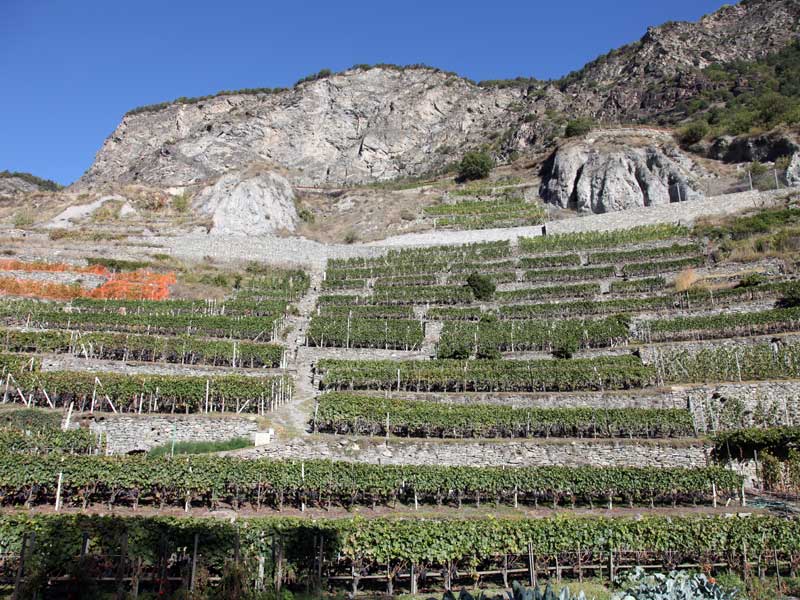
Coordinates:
[249,204]
[592,179]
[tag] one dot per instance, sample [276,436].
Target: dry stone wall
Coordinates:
[129,433]
[487,453]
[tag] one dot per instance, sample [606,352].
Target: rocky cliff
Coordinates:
[353,127]
[381,123]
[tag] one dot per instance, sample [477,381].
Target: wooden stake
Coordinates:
[123,557]
[194,563]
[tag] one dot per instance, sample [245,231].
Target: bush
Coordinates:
[482,286]
[578,127]
[475,165]
[756,169]
[693,133]
[752,280]
[791,298]
[351,237]
[181,202]
[566,348]
[306,216]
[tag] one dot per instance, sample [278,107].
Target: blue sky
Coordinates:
[71,68]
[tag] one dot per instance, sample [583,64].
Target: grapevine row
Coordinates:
[121,346]
[602,373]
[370,415]
[211,480]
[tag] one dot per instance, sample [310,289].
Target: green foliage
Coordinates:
[601,373]
[533,335]
[575,290]
[791,297]
[183,393]
[199,447]
[483,214]
[482,286]
[359,414]
[184,100]
[640,254]
[44,441]
[181,202]
[743,227]
[321,74]
[206,480]
[378,542]
[722,325]
[579,274]
[752,280]
[30,419]
[601,239]
[117,264]
[636,286]
[23,219]
[748,96]
[693,133]
[44,184]
[578,127]
[743,443]
[229,325]
[677,585]
[306,215]
[745,362]
[405,334]
[665,266]
[543,262]
[692,298]
[475,165]
[416,257]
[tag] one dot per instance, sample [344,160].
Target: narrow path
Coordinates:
[292,418]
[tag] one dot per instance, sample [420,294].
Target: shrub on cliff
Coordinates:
[578,127]
[475,165]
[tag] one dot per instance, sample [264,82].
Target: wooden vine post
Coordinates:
[123,559]
[193,574]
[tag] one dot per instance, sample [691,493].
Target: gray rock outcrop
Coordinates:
[595,176]
[793,170]
[353,127]
[750,148]
[14,186]
[249,204]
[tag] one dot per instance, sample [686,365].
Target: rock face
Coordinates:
[793,171]
[600,175]
[384,123]
[759,148]
[249,204]
[354,127]
[13,186]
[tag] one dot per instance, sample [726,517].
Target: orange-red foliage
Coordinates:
[10,264]
[137,285]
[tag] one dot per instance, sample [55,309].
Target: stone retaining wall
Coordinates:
[512,453]
[127,433]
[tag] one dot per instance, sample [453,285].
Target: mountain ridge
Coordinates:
[382,122]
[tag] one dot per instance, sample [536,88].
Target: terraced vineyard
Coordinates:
[607,373]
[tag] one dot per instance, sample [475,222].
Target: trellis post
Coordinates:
[531,565]
[58,490]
